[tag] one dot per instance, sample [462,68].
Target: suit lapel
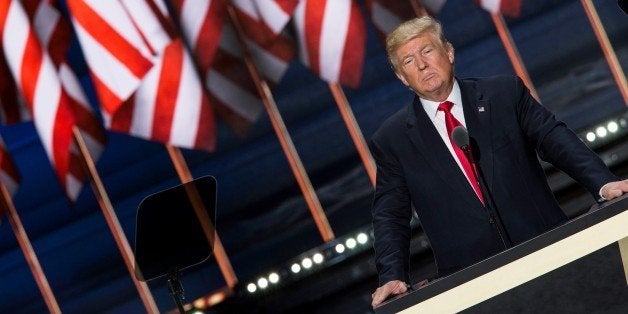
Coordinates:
[477,115]
[423,135]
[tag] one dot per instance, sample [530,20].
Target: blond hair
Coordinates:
[409,30]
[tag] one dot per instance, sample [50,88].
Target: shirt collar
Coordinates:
[431,107]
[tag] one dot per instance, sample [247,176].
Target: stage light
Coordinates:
[262,283]
[350,243]
[362,238]
[307,263]
[590,136]
[273,278]
[201,303]
[296,268]
[318,258]
[600,131]
[612,127]
[251,287]
[623,123]
[198,312]
[340,248]
[217,297]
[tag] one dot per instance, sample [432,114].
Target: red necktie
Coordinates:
[451,122]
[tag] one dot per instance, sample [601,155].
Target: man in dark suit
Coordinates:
[419,166]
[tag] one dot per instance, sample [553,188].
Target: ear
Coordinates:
[450,53]
[402,79]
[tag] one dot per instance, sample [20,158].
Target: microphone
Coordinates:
[460,137]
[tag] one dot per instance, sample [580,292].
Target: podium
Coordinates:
[526,263]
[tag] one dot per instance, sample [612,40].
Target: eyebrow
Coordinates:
[420,50]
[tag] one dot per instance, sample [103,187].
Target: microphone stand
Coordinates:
[489,201]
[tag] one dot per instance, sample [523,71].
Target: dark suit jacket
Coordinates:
[415,168]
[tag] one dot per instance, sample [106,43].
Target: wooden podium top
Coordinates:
[522,263]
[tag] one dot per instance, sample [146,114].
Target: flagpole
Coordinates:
[210,232]
[513,52]
[113,222]
[419,9]
[287,145]
[27,250]
[354,130]
[607,48]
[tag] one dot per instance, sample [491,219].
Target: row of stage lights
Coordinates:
[308,261]
[610,128]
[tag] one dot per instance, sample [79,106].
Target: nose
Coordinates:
[421,64]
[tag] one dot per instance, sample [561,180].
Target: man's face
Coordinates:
[425,64]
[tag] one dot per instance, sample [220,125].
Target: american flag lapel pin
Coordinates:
[481,109]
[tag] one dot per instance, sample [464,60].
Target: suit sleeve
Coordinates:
[558,145]
[392,213]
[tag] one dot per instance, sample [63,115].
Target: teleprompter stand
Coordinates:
[176,289]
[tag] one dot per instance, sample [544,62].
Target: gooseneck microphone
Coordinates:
[460,137]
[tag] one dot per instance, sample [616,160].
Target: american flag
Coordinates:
[166,102]
[117,56]
[332,39]
[54,33]
[45,86]
[220,59]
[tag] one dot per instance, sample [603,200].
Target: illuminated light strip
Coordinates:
[313,260]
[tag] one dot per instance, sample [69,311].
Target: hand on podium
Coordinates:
[390,289]
[614,189]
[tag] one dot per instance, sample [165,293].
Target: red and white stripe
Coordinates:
[271,50]
[36,76]
[510,8]
[231,86]
[9,175]
[274,13]
[387,15]
[170,105]
[332,39]
[264,19]
[201,24]
[117,55]
[227,79]
[54,33]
